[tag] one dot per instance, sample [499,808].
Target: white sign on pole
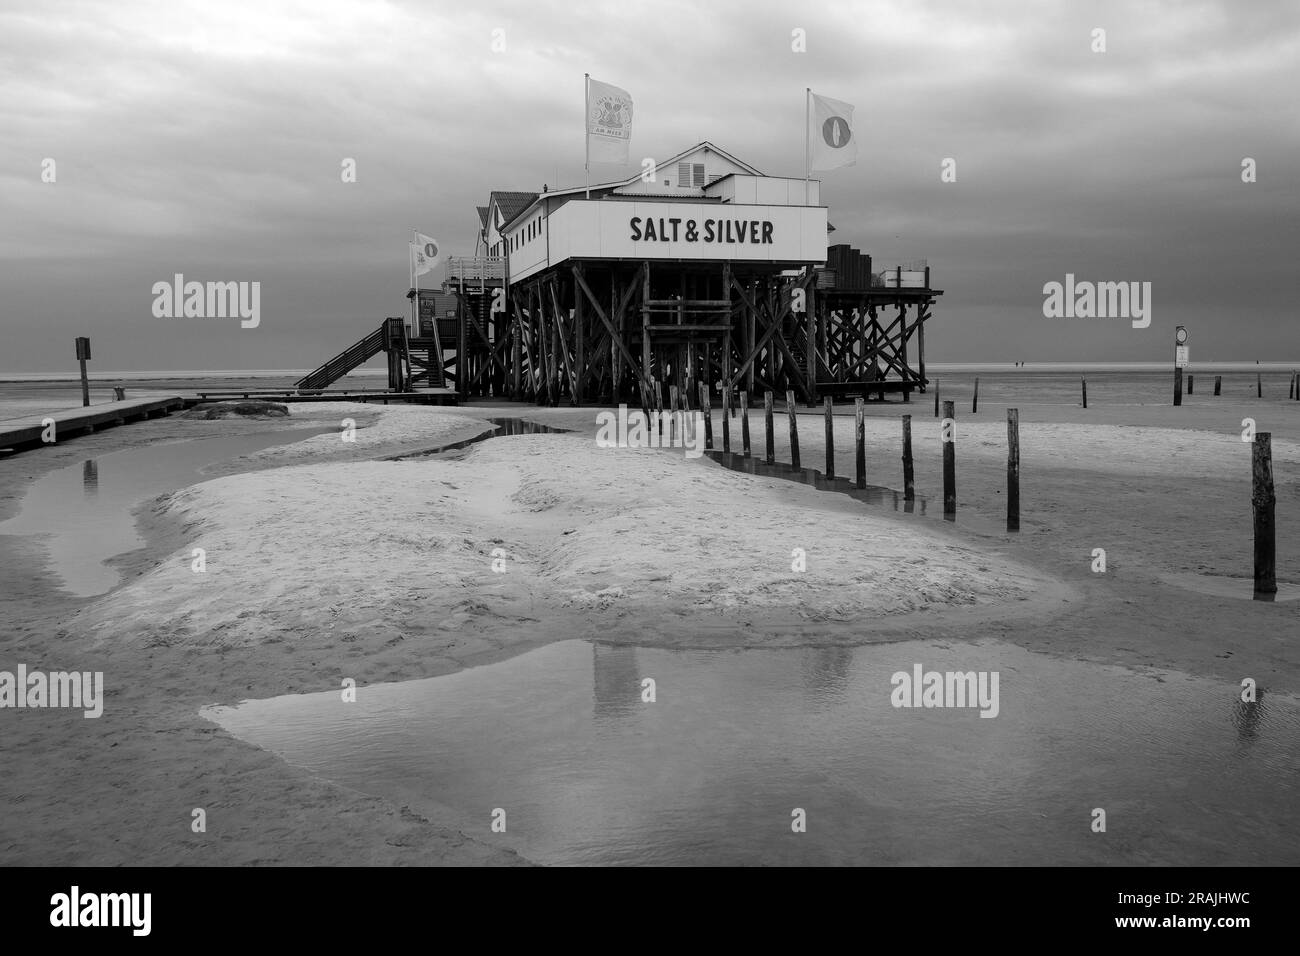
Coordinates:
[1180,356]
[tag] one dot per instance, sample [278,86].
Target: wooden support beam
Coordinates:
[564,349]
[791,408]
[600,313]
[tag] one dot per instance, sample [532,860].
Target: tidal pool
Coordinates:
[735,741]
[83,512]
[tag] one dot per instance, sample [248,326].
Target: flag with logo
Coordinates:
[609,123]
[425,254]
[830,134]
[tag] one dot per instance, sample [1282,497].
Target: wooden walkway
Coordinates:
[426,396]
[25,433]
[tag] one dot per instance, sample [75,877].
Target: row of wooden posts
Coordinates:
[1263,498]
[1293,392]
[948,437]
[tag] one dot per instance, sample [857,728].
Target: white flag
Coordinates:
[424,255]
[430,250]
[609,123]
[830,134]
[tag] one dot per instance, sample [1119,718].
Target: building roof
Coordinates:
[482,216]
[507,218]
[511,204]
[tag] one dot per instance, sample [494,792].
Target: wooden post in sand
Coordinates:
[860,438]
[1218,384]
[1013,469]
[909,475]
[744,422]
[83,353]
[771,431]
[708,415]
[794,431]
[948,436]
[657,405]
[830,437]
[1290,389]
[975,402]
[1259,385]
[726,418]
[936,398]
[1084,383]
[1262,501]
[1191,380]
[674,400]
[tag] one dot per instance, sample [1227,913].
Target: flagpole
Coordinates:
[807,141]
[586,127]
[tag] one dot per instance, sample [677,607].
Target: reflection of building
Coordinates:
[90,477]
[826,671]
[616,682]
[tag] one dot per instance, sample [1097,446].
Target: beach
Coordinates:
[327,561]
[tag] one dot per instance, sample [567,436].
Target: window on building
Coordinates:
[690,174]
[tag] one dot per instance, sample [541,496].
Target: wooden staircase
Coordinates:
[412,363]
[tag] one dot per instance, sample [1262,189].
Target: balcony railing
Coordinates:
[476,269]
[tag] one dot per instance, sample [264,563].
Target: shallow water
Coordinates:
[84,512]
[501,427]
[711,771]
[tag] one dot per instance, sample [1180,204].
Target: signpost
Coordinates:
[1180,362]
[83,354]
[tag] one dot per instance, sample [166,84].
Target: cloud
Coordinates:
[207,139]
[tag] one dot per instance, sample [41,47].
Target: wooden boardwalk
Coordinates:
[425,396]
[26,433]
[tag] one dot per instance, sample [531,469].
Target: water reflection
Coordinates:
[708,773]
[500,427]
[871,494]
[615,680]
[825,672]
[83,512]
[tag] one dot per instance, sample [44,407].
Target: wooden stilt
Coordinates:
[860,439]
[727,420]
[744,422]
[909,474]
[673,417]
[949,439]
[771,434]
[1013,469]
[706,410]
[794,430]
[1262,502]
[830,437]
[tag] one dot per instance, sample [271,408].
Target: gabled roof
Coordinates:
[671,161]
[482,216]
[510,204]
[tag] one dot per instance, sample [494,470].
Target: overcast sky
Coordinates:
[207,138]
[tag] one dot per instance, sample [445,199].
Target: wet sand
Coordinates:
[1164,502]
